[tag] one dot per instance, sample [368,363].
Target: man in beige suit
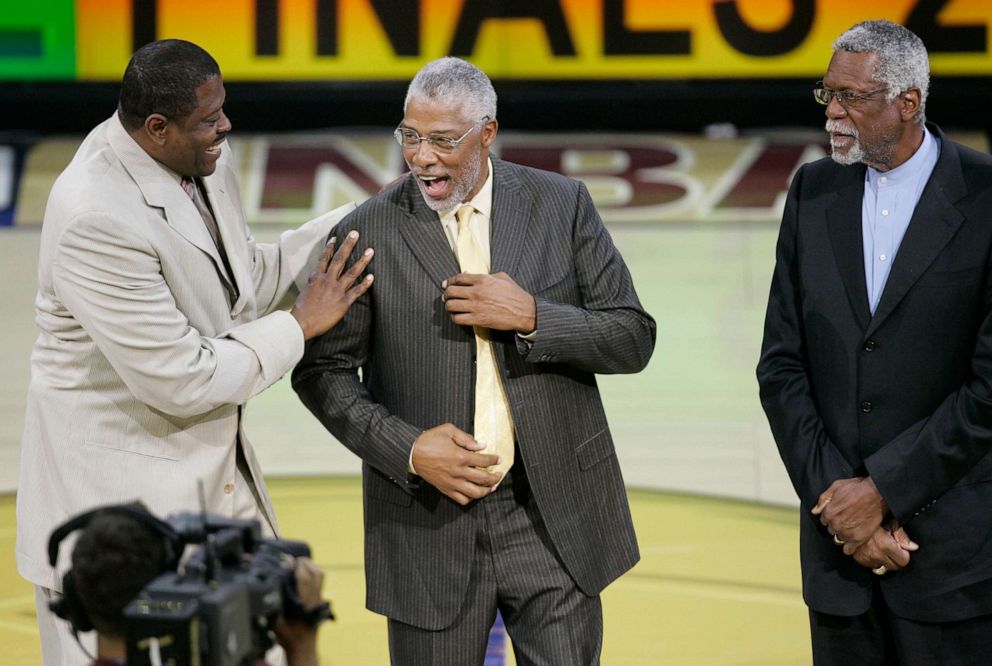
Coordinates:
[158,319]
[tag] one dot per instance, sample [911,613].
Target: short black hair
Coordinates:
[115,557]
[162,77]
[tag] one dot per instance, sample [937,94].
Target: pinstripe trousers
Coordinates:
[551,622]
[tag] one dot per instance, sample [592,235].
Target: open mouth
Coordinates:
[214,150]
[435,186]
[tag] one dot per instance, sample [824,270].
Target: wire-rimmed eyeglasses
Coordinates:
[409,139]
[848,99]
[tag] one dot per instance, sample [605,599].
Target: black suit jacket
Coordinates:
[904,396]
[417,372]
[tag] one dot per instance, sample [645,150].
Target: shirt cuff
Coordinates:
[530,338]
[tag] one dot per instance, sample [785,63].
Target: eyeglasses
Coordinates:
[409,139]
[846,98]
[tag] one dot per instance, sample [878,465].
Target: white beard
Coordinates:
[854,154]
[462,186]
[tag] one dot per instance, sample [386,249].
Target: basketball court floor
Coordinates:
[717,585]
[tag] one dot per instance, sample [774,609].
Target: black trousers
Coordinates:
[515,568]
[880,638]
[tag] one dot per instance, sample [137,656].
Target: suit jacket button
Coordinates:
[870,345]
[866,406]
[229,488]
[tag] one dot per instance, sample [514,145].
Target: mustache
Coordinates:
[835,126]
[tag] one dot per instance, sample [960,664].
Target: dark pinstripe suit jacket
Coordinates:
[417,372]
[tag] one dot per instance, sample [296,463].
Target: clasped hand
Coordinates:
[889,546]
[852,511]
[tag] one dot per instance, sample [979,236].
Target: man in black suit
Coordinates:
[877,381]
[490,476]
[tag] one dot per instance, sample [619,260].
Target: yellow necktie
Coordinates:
[493,422]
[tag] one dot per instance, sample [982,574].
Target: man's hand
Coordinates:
[446,458]
[888,547]
[309,582]
[489,301]
[296,637]
[331,290]
[852,510]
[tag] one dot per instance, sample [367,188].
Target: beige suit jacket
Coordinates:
[143,364]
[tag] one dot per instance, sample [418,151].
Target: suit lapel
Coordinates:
[182,215]
[844,225]
[934,223]
[423,234]
[227,227]
[511,216]
[160,190]
[510,220]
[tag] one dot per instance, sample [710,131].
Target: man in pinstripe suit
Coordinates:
[452,535]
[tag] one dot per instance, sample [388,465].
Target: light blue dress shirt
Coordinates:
[886,209]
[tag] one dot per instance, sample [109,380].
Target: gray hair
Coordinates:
[452,79]
[902,57]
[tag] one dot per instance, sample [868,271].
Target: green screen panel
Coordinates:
[38,41]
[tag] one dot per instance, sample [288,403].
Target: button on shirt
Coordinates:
[887,207]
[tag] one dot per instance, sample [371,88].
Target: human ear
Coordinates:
[489,132]
[909,103]
[156,127]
